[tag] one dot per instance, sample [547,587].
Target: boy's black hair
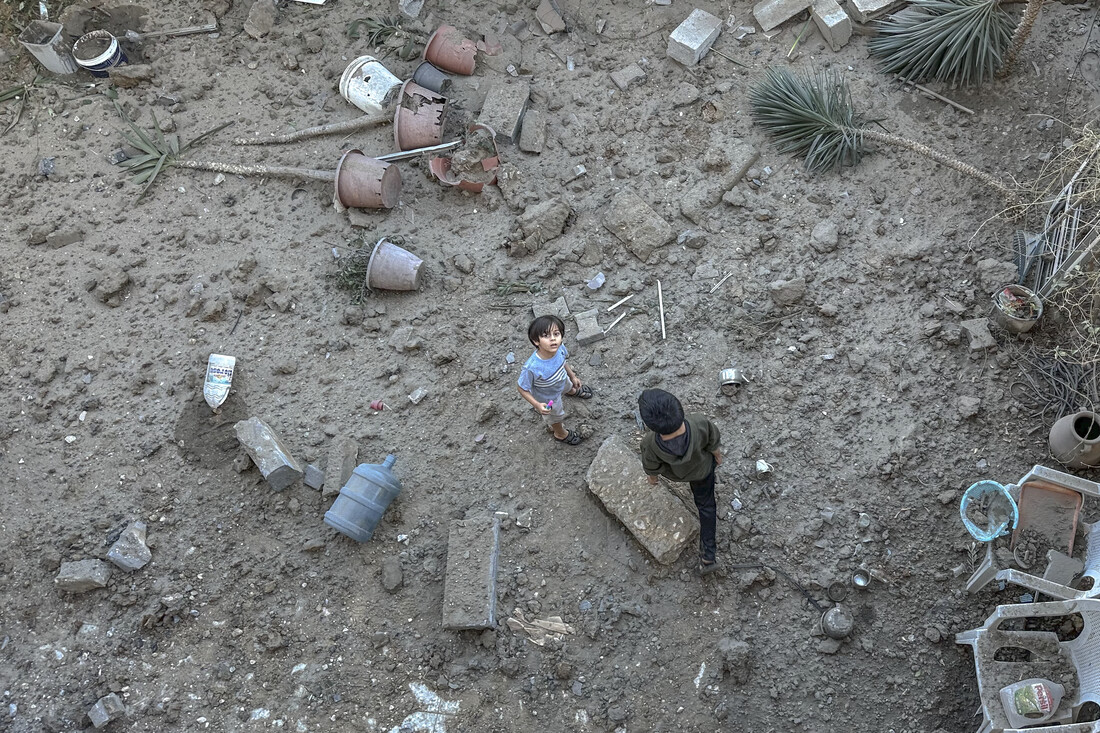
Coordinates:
[542,325]
[661,411]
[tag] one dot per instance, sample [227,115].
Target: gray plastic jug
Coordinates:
[364,499]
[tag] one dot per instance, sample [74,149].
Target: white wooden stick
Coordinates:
[621,317]
[616,305]
[727,277]
[661,306]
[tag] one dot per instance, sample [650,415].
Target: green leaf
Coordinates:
[152,177]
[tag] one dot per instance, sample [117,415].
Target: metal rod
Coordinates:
[931,93]
[719,284]
[621,317]
[406,154]
[661,306]
[616,305]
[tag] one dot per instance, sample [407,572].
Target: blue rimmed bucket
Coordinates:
[97,52]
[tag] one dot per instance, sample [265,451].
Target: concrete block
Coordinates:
[130,552]
[267,451]
[343,457]
[833,22]
[549,17]
[82,576]
[977,332]
[771,13]
[863,11]
[653,514]
[636,224]
[505,103]
[532,134]
[314,477]
[106,709]
[559,308]
[628,77]
[588,327]
[470,586]
[693,38]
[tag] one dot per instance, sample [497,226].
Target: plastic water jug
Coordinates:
[364,499]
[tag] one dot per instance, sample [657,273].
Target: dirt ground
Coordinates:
[255,615]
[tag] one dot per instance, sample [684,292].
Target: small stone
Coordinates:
[787,292]
[261,18]
[82,575]
[63,237]
[463,264]
[314,477]
[692,238]
[130,552]
[628,77]
[946,497]
[825,236]
[130,75]
[106,709]
[392,575]
[969,407]
[978,335]
[933,634]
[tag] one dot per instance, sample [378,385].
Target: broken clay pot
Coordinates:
[363,182]
[442,167]
[418,121]
[447,49]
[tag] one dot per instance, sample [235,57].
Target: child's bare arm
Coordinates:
[573,376]
[541,407]
[718,457]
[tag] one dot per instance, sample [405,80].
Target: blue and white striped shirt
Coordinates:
[545,379]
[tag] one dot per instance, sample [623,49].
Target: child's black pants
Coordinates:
[703,492]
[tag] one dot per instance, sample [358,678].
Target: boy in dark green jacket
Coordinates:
[683,448]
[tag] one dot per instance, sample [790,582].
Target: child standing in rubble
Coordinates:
[683,448]
[545,377]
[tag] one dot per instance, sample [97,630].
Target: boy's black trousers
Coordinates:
[703,492]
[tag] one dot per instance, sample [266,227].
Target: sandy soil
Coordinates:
[254,615]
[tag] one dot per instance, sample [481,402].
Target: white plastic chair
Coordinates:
[1050,658]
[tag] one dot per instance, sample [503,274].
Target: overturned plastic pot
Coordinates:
[392,268]
[363,182]
[418,121]
[47,44]
[475,174]
[430,77]
[450,51]
[369,85]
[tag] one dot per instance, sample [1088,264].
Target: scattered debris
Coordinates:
[505,104]
[82,576]
[129,551]
[106,709]
[268,452]
[771,13]
[417,395]
[343,454]
[219,379]
[636,224]
[539,630]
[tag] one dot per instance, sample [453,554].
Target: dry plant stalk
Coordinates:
[331,128]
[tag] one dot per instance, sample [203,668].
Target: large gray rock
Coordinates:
[470,586]
[82,576]
[655,516]
[130,552]
[106,709]
[636,224]
[267,451]
[343,456]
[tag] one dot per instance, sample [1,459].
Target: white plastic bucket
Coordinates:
[368,85]
[98,51]
[46,43]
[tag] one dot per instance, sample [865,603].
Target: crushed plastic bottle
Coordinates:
[219,378]
[597,282]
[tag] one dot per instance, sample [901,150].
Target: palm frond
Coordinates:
[956,41]
[810,115]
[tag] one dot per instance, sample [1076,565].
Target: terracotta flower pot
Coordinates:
[418,121]
[1075,440]
[365,183]
[441,167]
[448,50]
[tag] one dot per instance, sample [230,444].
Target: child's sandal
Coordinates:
[584,393]
[572,437]
[706,568]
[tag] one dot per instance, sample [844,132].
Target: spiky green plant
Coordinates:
[158,151]
[957,41]
[387,32]
[812,114]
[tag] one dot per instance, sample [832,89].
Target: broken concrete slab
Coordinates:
[532,134]
[588,327]
[628,77]
[655,516]
[771,13]
[261,18]
[863,11]
[343,457]
[268,452]
[977,332]
[636,224]
[693,38]
[833,22]
[63,237]
[712,190]
[314,477]
[130,552]
[559,308]
[549,17]
[106,709]
[82,576]
[470,586]
[540,223]
[503,109]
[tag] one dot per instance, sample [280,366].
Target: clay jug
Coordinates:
[1075,440]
